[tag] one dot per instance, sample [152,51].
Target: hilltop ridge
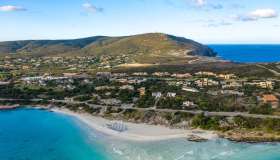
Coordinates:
[140,48]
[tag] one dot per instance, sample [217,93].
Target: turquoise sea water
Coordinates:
[29,134]
[248,53]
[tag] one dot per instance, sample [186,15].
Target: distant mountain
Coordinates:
[46,47]
[138,47]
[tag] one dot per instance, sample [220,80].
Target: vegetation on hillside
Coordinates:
[139,48]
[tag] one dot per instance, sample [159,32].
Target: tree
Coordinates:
[263,109]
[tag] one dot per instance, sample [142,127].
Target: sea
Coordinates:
[32,134]
[248,53]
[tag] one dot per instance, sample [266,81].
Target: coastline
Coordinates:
[8,107]
[146,132]
[137,132]
[250,136]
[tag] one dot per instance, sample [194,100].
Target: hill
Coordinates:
[138,48]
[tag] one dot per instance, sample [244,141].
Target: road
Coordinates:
[195,112]
[271,70]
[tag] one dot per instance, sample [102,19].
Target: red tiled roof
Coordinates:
[270,98]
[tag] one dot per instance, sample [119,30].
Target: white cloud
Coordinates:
[91,8]
[10,8]
[258,14]
[264,13]
[200,2]
[218,23]
[204,4]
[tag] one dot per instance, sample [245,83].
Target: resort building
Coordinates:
[270,99]
[100,88]
[262,84]
[103,74]
[119,75]
[171,94]
[140,74]
[232,92]
[227,76]
[156,94]
[127,87]
[266,84]
[175,83]
[161,74]
[70,74]
[142,91]
[205,74]
[188,104]
[232,84]
[206,82]
[120,80]
[186,75]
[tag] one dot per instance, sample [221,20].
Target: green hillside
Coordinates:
[139,48]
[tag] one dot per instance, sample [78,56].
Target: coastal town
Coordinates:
[108,93]
[140,80]
[148,82]
[75,63]
[185,91]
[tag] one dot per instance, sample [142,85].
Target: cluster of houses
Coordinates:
[108,62]
[261,84]
[159,95]
[65,82]
[78,62]
[123,87]
[224,84]
[42,78]
[185,105]
[130,80]
[216,84]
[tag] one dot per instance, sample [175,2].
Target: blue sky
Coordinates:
[207,21]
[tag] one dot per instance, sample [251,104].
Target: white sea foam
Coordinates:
[184,155]
[117,151]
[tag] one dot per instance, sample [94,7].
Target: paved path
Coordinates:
[195,112]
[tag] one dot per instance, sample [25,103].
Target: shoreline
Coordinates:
[8,107]
[137,132]
[146,132]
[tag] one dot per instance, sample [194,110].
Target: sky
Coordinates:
[206,21]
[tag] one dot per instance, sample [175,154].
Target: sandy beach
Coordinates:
[136,132]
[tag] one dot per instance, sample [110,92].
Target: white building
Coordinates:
[186,75]
[171,94]
[156,94]
[127,87]
[140,74]
[188,104]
